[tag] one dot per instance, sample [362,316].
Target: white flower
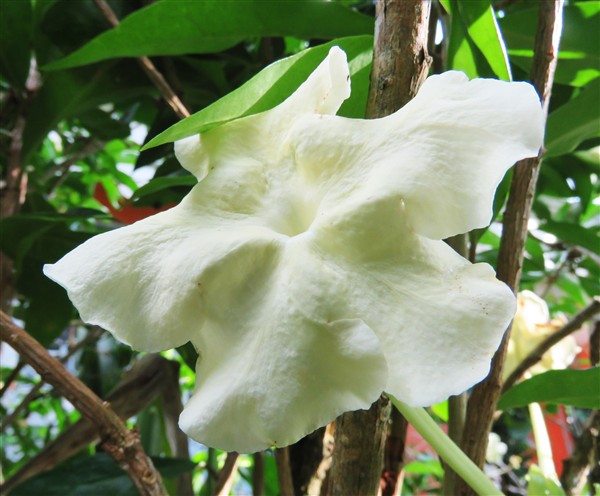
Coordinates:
[307,267]
[496,449]
[531,326]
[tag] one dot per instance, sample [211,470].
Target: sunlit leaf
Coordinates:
[566,387]
[579,55]
[270,87]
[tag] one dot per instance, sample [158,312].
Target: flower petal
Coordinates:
[144,282]
[443,154]
[439,318]
[280,362]
[322,93]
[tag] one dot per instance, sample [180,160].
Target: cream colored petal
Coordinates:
[279,360]
[442,155]
[263,137]
[439,318]
[145,282]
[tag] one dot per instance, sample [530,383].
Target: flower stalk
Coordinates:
[450,452]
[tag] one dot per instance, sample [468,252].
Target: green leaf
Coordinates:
[161,183]
[93,476]
[479,18]
[15,40]
[538,485]
[578,388]
[574,122]
[431,467]
[31,241]
[579,54]
[171,27]
[573,234]
[268,89]
[72,93]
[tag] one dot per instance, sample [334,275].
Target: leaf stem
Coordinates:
[447,450]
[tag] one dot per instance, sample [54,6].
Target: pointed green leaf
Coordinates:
[573,234]
[270,87]
[171,27]
[15,41]
[580,388]
[579,54]
[484,31]
[574,122]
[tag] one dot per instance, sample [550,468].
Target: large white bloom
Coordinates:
[307,267]
[531,326]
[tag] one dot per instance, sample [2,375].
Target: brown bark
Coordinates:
[227,473]
[484,398]
[400,65]
[586,455]
[393,459]
[358,453]
[33,393]
[284,472]
[305,458]
[119,442]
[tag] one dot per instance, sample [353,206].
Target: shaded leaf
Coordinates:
[170,27]
[161,183]
[15,41]
[578,388]
[269,88]
[574,122]
[579,55]
[573,234]
[93,476]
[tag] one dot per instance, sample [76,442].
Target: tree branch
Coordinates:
[141,385]
[482,403]
[400,65]
[225,477]
[150,69]
[284,472]
[536,355]
[122,444]
[32,394]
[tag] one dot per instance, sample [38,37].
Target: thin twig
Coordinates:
[258,475]
[227,473]
[284,472]
[94,334]
[149,68]
[536,355]
[484,398]
[585,454]
[122,444]
[11,377]
[149,377]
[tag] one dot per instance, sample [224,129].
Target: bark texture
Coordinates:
[400,65]
[119,442]
[484,398]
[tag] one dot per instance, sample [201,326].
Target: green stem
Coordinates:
[447,450]
[542,442]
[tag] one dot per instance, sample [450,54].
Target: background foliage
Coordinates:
[92,135]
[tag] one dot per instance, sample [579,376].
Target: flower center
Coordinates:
[293,215]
